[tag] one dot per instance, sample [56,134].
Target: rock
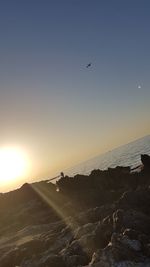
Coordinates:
[88,243]
[132,234]
[146,161]
[118,220]
[74,254]
[138,199]
[131,243]
[83,230]
[104,221]
[103,232]
[52,260]
[137,221]
[102,258]
[75,260]
[120,252]
[122,249]
[74,248]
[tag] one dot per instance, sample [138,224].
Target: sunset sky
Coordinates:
[53,108]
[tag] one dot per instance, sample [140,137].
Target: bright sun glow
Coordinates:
[13,165]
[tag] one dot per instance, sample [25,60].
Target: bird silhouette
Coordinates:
[88,65]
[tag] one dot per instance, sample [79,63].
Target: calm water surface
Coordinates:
[127,155]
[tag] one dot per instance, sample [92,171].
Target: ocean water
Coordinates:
[126,155]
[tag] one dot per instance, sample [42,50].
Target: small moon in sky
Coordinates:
[139,87]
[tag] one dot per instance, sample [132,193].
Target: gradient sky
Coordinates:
[51,105]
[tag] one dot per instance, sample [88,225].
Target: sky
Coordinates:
[54,108]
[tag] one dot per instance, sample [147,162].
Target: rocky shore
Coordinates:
[100,220]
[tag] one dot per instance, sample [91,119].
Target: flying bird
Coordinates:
[88,65]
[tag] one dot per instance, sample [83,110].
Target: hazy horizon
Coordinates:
[68,171]
[54,109]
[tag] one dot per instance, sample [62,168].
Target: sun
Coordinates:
[13,164]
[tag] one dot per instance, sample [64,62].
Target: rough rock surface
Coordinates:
[100,220]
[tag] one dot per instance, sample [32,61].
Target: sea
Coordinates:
[126,155]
